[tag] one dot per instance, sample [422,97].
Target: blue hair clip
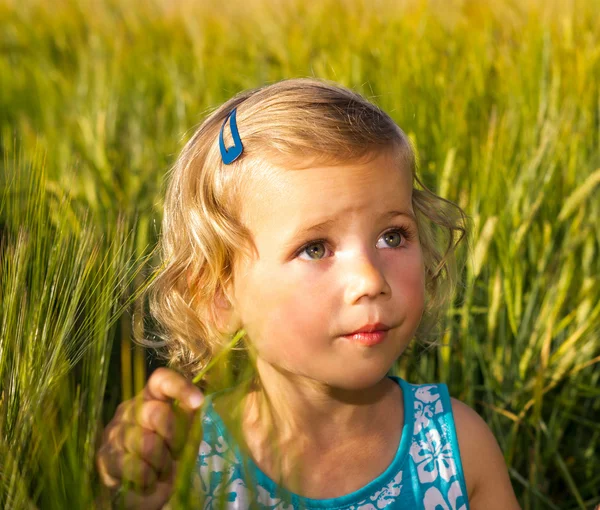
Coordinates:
[231,154]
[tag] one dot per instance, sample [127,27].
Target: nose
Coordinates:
[365,278]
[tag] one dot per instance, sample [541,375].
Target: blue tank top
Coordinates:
[426,473]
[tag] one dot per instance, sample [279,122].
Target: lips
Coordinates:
[371,328]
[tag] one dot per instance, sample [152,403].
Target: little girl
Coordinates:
[291,218]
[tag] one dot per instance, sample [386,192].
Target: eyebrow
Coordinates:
[324,225]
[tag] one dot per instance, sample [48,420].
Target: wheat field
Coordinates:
[502,102]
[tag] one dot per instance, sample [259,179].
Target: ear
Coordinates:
[221,311]
[224,312]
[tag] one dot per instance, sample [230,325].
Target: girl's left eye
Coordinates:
[393,238]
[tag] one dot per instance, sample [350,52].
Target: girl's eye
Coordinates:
[314,249]
[395,237]
[392,237]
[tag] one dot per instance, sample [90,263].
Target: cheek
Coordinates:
[294,319]
[414,283]
[415,276]
[408,278]
[300,309]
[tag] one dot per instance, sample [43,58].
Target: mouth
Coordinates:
[369,335]
[370,328]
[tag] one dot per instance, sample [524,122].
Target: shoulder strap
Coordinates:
[435,457]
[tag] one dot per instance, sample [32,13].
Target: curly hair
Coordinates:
[293,123]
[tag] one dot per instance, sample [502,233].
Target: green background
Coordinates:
[502,101]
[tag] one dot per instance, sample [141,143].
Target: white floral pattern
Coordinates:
[434,498]
[427,403]
[433,457]
[382,498]
[429,455]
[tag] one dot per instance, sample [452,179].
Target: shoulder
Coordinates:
[486,474]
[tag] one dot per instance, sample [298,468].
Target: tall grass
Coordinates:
[502,100]
[63,285]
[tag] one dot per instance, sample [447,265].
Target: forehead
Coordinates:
[281,200]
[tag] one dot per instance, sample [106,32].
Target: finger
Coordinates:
[150,447]
[169,422]
[137,473]
[165,384]
[106,466]
[117,467]
[152,501]
[121,408]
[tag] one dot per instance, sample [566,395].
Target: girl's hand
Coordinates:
[141,444]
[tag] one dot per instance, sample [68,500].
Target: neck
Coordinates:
[302,410]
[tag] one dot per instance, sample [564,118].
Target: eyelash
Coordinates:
[405,232]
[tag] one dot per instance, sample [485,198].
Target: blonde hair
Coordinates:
[293,121]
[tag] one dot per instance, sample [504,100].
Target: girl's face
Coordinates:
[338,248]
